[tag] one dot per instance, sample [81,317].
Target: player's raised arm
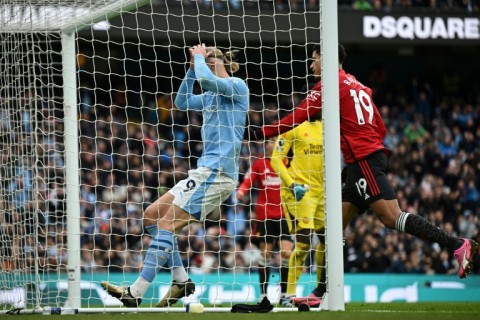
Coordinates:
[308,108]
[213,69]
[185,98]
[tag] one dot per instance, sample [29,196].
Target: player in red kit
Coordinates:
[361,132]
[270,225]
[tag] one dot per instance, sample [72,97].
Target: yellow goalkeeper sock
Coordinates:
[319,260]
[295,266]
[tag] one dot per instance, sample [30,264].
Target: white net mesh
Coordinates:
[32,165]
[133,145]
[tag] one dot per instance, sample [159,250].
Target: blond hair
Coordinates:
[228,58]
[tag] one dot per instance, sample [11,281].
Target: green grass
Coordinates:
[353,311]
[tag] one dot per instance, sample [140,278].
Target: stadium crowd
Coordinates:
[126,163]
[433,130]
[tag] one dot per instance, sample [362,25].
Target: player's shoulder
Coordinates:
[349,79]
[309,126]
[239,84]
[298,131]
[237,81]
[317,86]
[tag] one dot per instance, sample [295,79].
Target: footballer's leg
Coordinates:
[122,293]
[177,291]
[384,204]
[286,248]
[155,211]
[195,198]
[319,221]
[297,261]
[130,296]
[159,254]
[263,267]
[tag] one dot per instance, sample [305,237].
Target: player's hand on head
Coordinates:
[199,49]
[298,190]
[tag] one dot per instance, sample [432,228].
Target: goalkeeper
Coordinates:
[224,104]
[303,201]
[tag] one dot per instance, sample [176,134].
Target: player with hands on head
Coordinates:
[367,187]
[224,103]
[270,225]
[298,161]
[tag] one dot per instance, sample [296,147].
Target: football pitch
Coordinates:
[353,311]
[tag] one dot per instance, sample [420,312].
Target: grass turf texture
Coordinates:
[353,311]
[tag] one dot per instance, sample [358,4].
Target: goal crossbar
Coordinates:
[62,16]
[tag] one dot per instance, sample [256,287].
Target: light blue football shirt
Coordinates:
[224,104]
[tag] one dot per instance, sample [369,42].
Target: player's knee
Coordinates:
[303,236]
[166,224]
[388,219]
[301,250]
[150,216]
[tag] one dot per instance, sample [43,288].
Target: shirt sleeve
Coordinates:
[185,98]
[283,144]
[208,81]
[310,106]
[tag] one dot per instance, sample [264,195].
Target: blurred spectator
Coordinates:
[362,5]
[415,133]
[423,98]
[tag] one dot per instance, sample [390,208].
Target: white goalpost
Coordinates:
[331,116]
[89,138]
[38,47]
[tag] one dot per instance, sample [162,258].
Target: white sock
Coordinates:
[179,274]
[139,287]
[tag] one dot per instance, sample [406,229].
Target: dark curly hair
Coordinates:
[341,52]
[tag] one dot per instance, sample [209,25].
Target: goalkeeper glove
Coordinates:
[298,190]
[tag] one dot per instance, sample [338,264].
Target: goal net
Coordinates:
[89,137]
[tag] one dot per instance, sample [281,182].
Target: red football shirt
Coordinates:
[361,126]
[268,184]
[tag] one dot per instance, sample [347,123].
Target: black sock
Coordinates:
[283,278]
[321,287]
[264,273]
[422,228]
